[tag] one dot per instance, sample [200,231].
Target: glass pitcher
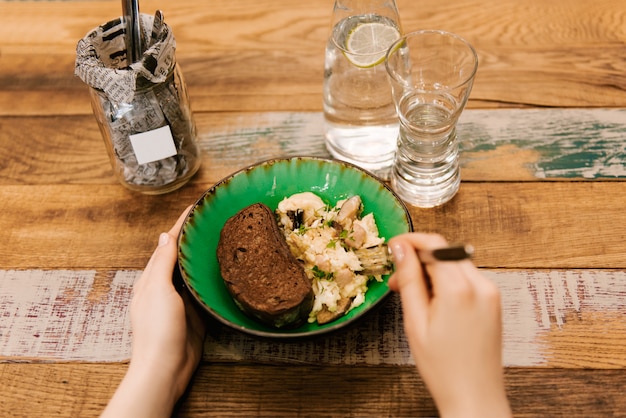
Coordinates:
[360,120]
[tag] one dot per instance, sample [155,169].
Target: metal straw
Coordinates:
[130,14]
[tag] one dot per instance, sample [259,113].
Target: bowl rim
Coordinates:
[270,334]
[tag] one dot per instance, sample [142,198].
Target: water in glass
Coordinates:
[431,74]
[426,172]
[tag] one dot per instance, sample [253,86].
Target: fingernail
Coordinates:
[164,238]
[397,252]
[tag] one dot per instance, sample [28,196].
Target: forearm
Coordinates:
[496,408]
[482,401]
[142,394]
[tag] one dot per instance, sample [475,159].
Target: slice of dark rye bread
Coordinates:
[263,277]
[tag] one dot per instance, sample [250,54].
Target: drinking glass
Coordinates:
[431,75]
[360,120]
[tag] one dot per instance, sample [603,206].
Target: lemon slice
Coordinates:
[367,43]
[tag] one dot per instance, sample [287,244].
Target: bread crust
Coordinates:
[266,281]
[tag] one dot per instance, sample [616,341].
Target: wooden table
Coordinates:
[543,200]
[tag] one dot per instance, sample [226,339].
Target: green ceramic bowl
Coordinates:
[269,182]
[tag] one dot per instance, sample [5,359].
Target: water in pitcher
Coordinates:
[360,120]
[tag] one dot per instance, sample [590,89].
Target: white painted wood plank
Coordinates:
[58,315]
[61,316]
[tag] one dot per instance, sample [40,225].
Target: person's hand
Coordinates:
[167,339]
[454,329]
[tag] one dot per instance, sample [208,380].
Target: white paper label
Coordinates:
[153,145]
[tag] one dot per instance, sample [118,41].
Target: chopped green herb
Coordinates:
[321,274]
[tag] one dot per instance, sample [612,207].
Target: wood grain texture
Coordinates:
[571,318]
[542,200]
[554,144]
[496,145]
[268,55]
[65,315]
[513,225]
[221,390]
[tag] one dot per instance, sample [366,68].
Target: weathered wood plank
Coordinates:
[57,315]
[222,390]
[79,239]
[572,318]
[514,225]
[497,145]
[543,144]
[268,55]
[553,319]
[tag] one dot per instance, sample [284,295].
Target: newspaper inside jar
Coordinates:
[143,109]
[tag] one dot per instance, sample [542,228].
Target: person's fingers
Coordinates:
[484,288]
[425,241]
[448,279]
[164,259]
[166,248]
[407,245]
[475,276]
[179,223]
[408,279]
[162,262]
[445,277]
[194,317]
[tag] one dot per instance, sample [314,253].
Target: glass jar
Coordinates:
[151,142]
